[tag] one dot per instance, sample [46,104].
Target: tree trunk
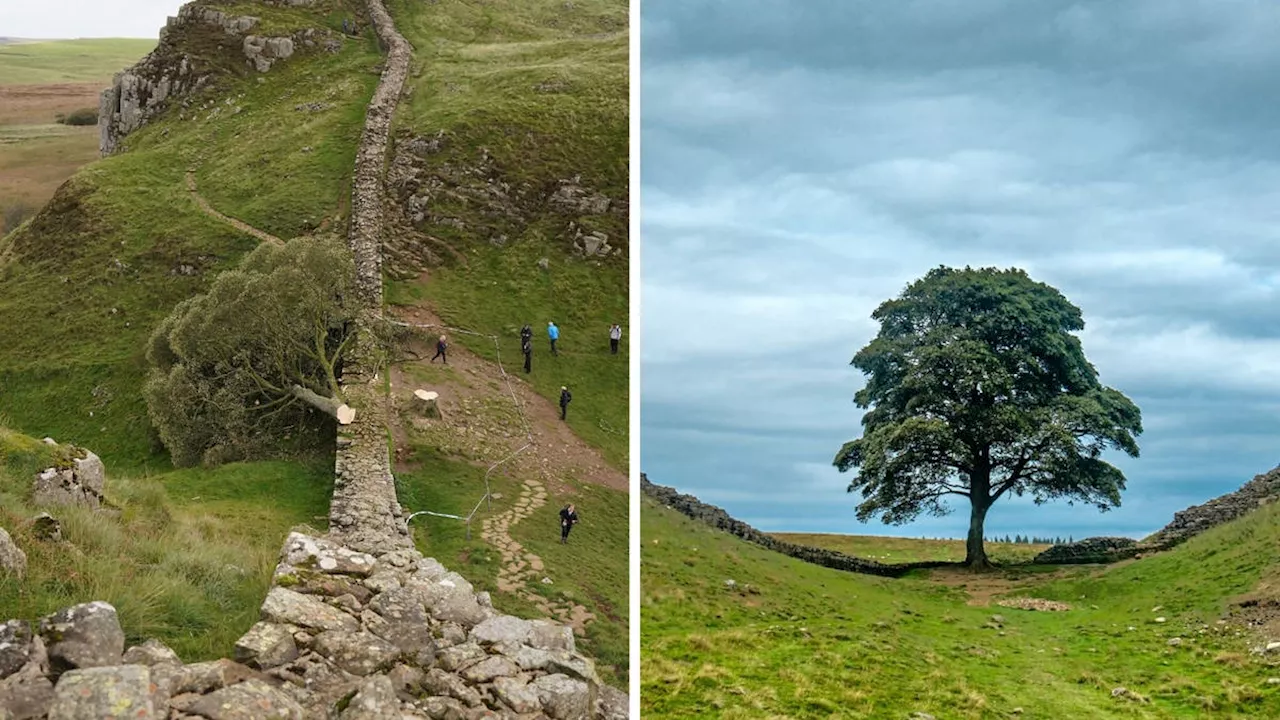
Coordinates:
[975,551]
[327,405]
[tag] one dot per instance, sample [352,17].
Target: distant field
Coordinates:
[69,61]
[903,550]
[39,80]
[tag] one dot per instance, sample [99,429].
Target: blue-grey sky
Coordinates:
[70,19]
[804,161]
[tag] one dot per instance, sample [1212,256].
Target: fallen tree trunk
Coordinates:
[330,406]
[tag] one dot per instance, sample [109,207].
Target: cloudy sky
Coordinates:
[803,162]
[65,19]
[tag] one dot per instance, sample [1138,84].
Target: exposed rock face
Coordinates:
[1089,550]
[12,559]
[1259,491]
[185,61]
[718,518]
[423,647]
[81,483]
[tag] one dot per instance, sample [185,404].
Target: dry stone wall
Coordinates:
[343,635]
[1259,491]
[364,511]
[719,519]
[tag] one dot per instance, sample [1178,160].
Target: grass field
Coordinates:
[39,81]
[69,61]
[904,550]
[789,639]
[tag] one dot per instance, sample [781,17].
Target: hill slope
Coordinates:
[252,154]
[793,639]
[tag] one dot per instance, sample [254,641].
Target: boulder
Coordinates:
[376,700]
[81,483]
[122,691]
[563,697]
[151,653]
[326,556]
[266,645]
[359,653]
[83,636]
[288,607]
[250,700]
[46,527]
[12,559]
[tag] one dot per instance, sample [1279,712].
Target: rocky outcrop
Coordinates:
[80,481]
[12,559]
[196,46]
[718,518]
[343,635]
[1259,491]
[1089,550]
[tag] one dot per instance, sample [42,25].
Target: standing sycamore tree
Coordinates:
[977,388]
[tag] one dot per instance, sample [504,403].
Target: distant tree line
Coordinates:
[1032,540]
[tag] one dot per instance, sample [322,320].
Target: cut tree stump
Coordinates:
[428,402]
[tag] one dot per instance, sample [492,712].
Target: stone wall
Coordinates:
[1089,550]
[719,519]
[343,635]
[364,511]
[1259,491]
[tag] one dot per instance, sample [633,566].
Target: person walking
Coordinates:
[441,347]
[565,399]
[615,335]
[553,332]
[568,518]
[526,347]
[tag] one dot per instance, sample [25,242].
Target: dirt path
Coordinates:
[520,567]
[211,212]
[985,588]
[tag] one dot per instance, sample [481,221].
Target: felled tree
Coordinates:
[247,364]
[977,388]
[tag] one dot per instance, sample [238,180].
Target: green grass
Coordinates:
[187,557]
[539,89]
[894,550]
[591,570]
[68,61]
[807,642]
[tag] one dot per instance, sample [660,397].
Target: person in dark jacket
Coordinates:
[568,518]
[526,347]
[615,335]
[526,332]
[441,347]
[565,398]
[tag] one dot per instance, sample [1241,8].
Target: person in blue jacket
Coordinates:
[553,332]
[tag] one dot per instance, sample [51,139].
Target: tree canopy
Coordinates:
[257,359]
[978,388]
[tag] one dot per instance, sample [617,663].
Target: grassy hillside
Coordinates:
[83,284]
[795,640]
[187,558]
[526,95]
[69,61]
